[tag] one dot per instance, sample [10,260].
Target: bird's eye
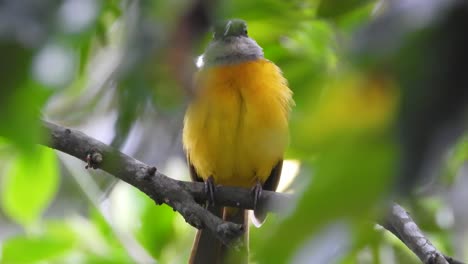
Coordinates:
[245,32]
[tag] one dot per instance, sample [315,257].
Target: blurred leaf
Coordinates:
[131,101]
[334,8]
[354,20]
[111,259]
[458,157]
[101,224]
[166,95]
[281,12]
[85,51]
[355,158]
[20,109]
[29,185]
[98,241]
[350,190]
[55,243]
[6,148]
[157,229]
[113,6]
[308,57]
[424,212]
[40,248]
[352,105]
[366,239]
[13,69]
[101,33]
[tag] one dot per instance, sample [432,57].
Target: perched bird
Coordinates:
[236,128]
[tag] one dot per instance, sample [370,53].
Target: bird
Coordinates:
[235,129]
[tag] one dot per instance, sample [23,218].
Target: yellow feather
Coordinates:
[236,128]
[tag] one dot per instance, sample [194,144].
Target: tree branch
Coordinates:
[183,197]
[186,197]
[400,223]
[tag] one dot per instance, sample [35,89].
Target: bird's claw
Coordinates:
[256,193]
[210,189]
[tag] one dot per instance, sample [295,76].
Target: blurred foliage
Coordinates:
[102,66]
[34,174]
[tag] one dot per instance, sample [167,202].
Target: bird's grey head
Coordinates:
[231,44]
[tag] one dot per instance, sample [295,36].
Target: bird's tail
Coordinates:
[207,249]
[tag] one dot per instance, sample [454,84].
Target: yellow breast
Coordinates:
[236,128]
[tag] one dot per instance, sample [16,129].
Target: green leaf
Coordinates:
[5,149]
[29,185]
[350,175]
[458,157]
[157,229]
[97,241]
[23,249]
[20,114]
[334,8]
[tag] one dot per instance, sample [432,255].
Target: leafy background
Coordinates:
[100,67]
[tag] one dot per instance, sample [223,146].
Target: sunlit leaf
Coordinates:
[29,185]
[33,249]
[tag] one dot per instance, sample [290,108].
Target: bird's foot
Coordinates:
[210,190]
[256,193]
